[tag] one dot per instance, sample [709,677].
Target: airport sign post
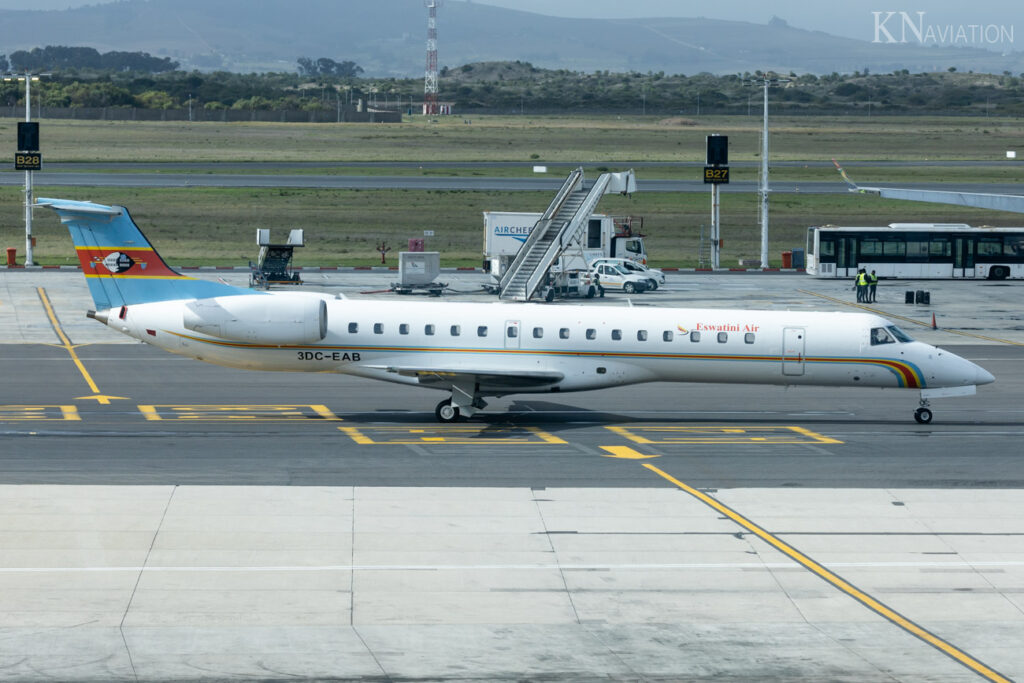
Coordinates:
[716,172]
[28,157]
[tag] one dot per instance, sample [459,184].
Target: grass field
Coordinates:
[203,226]
[198,226]
[524,138]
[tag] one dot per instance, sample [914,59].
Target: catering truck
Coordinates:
[606,236]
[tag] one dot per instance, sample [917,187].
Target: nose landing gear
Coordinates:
[923,415]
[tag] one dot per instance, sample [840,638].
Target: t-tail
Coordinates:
[119,263]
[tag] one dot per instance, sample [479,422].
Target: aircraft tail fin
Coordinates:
[120,264]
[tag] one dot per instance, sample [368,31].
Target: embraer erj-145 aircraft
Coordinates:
[473,350]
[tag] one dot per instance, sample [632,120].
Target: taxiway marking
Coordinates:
[464,435]
[241,413]
[710,434]
[66,344]
[837,581]
[626,453]
[11,413]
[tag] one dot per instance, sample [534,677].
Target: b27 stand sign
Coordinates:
[716,172]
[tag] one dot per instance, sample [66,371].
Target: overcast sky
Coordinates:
[852,18]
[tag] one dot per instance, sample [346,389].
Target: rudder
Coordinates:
[119,264]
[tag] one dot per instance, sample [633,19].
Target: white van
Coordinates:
[610,276]
[655,276]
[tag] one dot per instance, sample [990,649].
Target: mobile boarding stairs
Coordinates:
[560,227]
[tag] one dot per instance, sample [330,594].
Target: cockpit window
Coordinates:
[900,335]
[879,335]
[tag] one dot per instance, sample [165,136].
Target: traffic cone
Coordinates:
[934,326]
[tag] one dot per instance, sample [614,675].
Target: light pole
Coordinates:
[28,78]
[767,81]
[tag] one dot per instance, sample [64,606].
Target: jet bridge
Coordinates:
[560,227]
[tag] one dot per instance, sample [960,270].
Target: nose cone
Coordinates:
[982,376]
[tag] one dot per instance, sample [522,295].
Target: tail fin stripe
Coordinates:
[120,265]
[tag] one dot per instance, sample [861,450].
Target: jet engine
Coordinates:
[265,318]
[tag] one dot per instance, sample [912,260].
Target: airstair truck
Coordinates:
[606,236]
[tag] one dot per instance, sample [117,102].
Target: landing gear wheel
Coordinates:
[445,412]
[923,415]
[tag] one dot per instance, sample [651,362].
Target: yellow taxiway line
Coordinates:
[66,344]
[837,581]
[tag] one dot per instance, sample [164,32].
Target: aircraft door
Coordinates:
[793,350]
[512,330]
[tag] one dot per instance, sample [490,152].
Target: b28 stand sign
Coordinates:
[28,157]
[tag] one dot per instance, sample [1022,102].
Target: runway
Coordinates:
[464,183]
[165,519]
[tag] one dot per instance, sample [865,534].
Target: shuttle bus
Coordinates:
[917,250]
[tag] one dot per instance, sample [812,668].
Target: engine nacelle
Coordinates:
[265,318]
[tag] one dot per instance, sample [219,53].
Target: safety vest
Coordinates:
[872,279]
[862,279]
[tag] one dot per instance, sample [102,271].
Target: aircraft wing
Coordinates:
[997,202]
[490,376]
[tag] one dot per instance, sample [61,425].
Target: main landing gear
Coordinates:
[464,402]
[923,415]
[446,413]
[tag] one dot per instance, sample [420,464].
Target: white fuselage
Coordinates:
[579,347]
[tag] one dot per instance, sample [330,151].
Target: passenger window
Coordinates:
[563,333]
[616,335]
[695,336]
[353,328]
[641,335]
[591,333]
[512,331]
[723,337]
[403,328]
[428,330]
[378,328]
[481,331]
[538,332]
[667,335]
[879,335]
[748,338]
[456,330]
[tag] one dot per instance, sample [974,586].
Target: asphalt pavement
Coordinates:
[164,519]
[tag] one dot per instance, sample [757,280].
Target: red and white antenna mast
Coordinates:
[430,107]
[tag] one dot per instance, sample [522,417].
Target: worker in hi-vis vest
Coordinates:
[861,285]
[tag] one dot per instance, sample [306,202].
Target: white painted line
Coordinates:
[490,567]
